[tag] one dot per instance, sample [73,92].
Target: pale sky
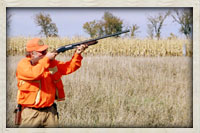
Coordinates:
[69,21]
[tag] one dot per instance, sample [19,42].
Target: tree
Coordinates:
[134,30]
[184,18]
[109,24]
[8,19]
[150,31]
[89,27]
[48,28]
[92,28]
[156,24]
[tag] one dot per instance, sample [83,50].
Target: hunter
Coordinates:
[39,83]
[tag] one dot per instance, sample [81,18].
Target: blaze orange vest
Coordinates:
[56,77]
[40,85]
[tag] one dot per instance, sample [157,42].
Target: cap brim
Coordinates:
[43,47]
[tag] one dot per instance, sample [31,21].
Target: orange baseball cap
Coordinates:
[36,44]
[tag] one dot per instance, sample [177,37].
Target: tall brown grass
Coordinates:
[120,91]
[111,46]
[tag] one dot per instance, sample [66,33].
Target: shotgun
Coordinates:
[89,42]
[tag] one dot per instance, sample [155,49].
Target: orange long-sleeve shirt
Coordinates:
[35,83]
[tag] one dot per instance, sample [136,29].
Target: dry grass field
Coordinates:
[120,91]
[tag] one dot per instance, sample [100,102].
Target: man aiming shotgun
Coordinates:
[39,81]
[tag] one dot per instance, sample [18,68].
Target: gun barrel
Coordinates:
[115,34]
[72,46]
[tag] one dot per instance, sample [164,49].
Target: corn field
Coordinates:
[111,46]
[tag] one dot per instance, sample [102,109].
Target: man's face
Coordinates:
[37,55]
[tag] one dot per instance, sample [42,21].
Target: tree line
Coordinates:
[110,24]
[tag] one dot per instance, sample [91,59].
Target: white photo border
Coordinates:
[195,4]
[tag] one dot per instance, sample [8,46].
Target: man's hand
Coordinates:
[51,55]
[81,48]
